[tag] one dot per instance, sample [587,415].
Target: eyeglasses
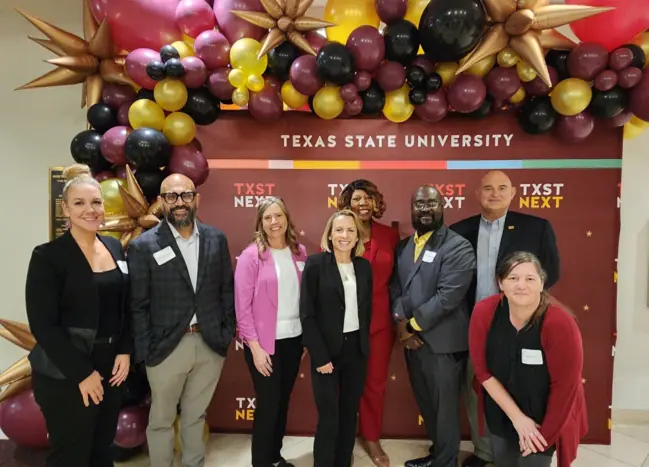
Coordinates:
[171,198]
[431,204]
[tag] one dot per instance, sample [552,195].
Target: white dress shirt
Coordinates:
[288,295]
[348,277]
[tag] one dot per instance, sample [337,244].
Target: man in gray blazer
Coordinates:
[434,269]
[182,303]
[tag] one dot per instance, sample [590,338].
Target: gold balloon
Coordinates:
[292,97]
[481,68]
[240,96]
[243,55]
[632,131]
[113,202]
[525,72]
[519,96]
[571,96]
[639,123]
[184,49]
[507,58]
[327,102]
[397,107]
[179,129]
[415,10]
[188,40]
[447,72]
[237,78]
[348,15]
[146,113]
[171,94]
[255,83]
[643,41]
[110,233]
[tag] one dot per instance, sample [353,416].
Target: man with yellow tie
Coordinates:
[434,269]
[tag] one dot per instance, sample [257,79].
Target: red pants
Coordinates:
[371,408]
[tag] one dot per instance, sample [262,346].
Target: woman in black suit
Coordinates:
[76,292]
[336,309]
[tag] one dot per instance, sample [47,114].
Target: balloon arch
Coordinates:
[154,70]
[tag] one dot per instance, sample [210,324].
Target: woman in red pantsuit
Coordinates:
[364,198]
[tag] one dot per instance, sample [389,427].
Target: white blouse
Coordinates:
[288,295]
[348,277]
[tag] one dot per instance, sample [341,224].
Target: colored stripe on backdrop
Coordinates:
[277,164]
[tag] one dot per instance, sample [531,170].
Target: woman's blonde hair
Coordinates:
[325,242]
[78,174]
[260,237]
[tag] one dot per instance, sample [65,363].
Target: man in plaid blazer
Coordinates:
[182,303]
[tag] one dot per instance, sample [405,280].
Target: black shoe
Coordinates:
[421,462]
[283,463]
[474,461]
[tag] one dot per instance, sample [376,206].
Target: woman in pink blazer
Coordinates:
[267,296]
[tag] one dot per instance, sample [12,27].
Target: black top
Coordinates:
[516,359]
[109,288]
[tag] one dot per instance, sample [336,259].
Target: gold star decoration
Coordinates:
[527,27]
[302,233]
[393,377]
[141,216]
[286,21]
[301,375]
[91,60]
[586,308]
[589,234]
[18,377]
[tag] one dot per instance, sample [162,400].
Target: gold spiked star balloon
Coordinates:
[525,26]
[286,21]
[18,377]
[90,61]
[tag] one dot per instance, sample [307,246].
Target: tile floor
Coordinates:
[630,447]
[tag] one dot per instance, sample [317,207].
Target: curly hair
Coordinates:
[260,237]
[345,197]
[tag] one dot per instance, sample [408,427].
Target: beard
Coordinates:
[180,223]
[425,227]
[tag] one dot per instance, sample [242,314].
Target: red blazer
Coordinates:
[380,254]
[565,421]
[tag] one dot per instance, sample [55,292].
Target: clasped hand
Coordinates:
[92,387]
[409,341]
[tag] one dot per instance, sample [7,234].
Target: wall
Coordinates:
[37,126]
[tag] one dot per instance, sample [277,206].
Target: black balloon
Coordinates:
[281,58]
[155,70]
[202,106]
[417,96]
[401,42]
[145,94]
[433,82]
[86,149]
[335,64]
[608,104]
[484,110]
[168,52]
[310,102]
[150,181]
[639,56]
[174,68]
[373,99]
[227,102]
[537,115]
[101,117]
[559,60]
[147,148]
[416,76]
[450,29]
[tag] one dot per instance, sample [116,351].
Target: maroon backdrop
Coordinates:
[307,161]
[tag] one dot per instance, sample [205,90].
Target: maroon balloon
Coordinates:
[391,10]
[114,95]
[273,82]
[435,108]
[503,83]
[122,114]
[587,60]
[197,144]
[136,62]
[266,105]
[195,72]
[425,63]
[362,80]
[22,421]
[233,27]
[575,128]
[391,76]
[349,93]
[639,98]
[620,59]
[104,175]
[605,81]
[629,78]
[120,171]
[367,46]
[467,93]
[304,76]
[355,107]
[112,145]
[213,48]
[316,40]
[190,162]
[620,119]
[131,427]
[537,86]
[219,85]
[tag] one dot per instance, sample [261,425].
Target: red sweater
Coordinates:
[565,421]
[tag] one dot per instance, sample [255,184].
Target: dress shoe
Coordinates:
[474,461]
[376,453]
[421,462]
[284,463]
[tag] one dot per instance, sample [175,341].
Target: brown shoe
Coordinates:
[376,453]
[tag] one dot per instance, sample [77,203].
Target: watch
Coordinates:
[409,328]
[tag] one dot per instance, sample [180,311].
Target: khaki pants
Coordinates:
[481,444]
[188,376]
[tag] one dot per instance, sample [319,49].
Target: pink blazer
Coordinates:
[256,295]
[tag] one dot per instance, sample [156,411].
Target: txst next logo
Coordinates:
[249,195]
[245,408]
[452,193]
[540,195]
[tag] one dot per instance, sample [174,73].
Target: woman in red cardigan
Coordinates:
[528,357]
[364,198]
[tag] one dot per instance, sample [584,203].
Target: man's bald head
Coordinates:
[495,194]
[174,181]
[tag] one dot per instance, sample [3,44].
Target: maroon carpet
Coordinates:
[14,456]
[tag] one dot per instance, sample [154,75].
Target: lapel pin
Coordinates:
[510,227]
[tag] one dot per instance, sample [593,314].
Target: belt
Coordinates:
[193,329]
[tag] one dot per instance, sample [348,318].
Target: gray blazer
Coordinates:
[163,299]
[433,289]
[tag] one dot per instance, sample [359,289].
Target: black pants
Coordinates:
[337,397]
[272,398]
[436,381]
[79,436]
[507,453]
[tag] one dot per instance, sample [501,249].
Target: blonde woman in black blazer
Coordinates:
[76,295]
[336,309]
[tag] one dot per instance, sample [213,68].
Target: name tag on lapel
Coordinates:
[429,256]
[122,266]
[532,357]
[300,265]
[163,256]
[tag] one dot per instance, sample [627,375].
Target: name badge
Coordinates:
[122,266]
[164,256]
[429,256]
[532,357]
[300,265]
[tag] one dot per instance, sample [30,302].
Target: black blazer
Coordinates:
[322,306]
[63,308]
[522,232]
